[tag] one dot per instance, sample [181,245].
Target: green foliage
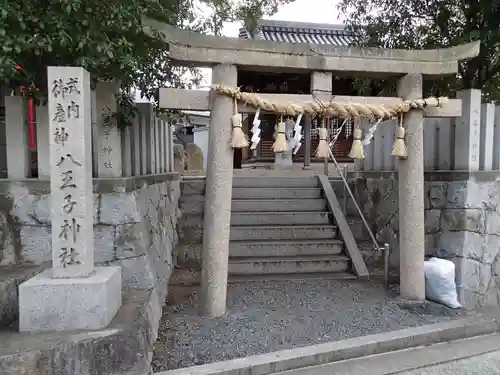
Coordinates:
[105,37]
[417,24]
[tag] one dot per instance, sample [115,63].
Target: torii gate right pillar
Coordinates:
[411,196]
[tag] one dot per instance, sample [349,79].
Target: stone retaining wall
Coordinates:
[462,223]
[135,227]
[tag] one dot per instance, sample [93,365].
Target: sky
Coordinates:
[315,11]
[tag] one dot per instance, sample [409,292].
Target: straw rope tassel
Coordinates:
[280,144]
[322,150]
[357,151]
[239,140]
[399,148]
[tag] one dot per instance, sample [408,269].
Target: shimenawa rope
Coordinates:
[331,109]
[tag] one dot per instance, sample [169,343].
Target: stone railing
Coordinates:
[142,148]
[468,143]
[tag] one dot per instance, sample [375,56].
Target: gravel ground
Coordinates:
[268,316]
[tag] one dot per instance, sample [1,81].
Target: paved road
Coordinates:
[478,355]
[485,364]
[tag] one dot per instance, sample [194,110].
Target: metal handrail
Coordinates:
[372,236]
[178,135]
[346,185]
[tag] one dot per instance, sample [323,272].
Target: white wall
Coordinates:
[200,137]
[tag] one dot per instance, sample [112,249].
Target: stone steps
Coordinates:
[288,265]
[281,218]
[276,182]
[284,232]
[191,277]
[280,227]
[292,276]
[277,205]
[196,205]
[273,193]
[196,186]
[276,248]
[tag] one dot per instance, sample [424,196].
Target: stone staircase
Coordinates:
[281,227]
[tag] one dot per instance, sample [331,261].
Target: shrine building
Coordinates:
[289,82]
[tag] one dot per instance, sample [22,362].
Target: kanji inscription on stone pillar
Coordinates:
[71,172]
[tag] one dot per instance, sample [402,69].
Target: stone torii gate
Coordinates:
[226,55]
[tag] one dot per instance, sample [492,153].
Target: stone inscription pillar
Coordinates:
[411,196]
[218,194]
[74,294]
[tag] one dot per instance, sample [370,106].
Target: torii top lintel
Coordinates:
[189,48]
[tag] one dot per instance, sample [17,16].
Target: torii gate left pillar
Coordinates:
[218,193]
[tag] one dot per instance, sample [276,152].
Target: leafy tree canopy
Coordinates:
[106,37]
[416,24]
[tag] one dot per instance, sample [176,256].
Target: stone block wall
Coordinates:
[135,226]
[462,223]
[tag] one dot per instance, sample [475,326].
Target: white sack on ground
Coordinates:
[440,282]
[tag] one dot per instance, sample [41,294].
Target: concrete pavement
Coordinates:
[484,364]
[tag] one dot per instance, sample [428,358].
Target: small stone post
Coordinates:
[16,138]
[411,196]
[171,145]
[109,142]
[42,142]
[307,141]
[74,294]
[322,88]
[218,193]
[487,134]
[468,131]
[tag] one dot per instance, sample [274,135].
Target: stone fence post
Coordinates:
[487,136]
[108,142]
[16,138]
[42,142]
[467,131]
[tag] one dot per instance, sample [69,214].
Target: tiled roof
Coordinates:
[301,32]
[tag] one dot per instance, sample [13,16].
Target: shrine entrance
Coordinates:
[230,59]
